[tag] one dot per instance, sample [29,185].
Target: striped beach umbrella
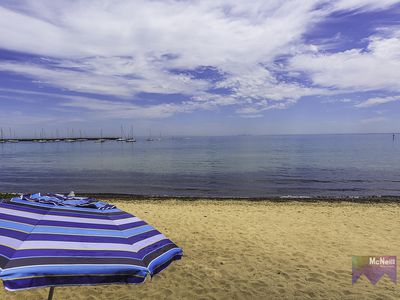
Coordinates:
[47,245]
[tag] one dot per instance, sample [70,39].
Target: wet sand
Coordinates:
[257,250]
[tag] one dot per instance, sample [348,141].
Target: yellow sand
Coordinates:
[258,250]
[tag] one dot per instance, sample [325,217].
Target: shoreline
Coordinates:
[276,199]
[282,199]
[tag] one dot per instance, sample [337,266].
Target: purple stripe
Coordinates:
[151,248]
[91,238]
[6,251]
[24,208]
[131,225]
[70,280]
[123,215]
[118,217]
[90,253]
[14,234]
[18,219]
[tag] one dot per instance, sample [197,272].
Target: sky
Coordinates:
[199,67]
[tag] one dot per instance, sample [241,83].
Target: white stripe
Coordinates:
[10,242]
[18,213]
[90,221]
[91,246]
[35,216]
[126,221]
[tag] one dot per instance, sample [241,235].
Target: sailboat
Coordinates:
[2,140]
[57,140]
[131,138]
[12,138]
[150,139]
[81,138]
[42,137]
[100,140]
[121,138]
[71,140]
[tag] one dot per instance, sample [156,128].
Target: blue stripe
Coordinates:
[16,226]
[27,271]
[93,232]
[90,238]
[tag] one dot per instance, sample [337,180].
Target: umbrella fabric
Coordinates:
[59,199]
[46,245]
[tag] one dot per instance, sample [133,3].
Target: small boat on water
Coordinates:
[150,139]
[10,140]
[2,140]
[100,140]
[131,138]
[121,138]
[81,138]
[42,138]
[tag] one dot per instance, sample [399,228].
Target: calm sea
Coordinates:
[237,166]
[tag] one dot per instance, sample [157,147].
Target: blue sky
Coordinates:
[200,67]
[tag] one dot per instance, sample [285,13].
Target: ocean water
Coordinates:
[235,166]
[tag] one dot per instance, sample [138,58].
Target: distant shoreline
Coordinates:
[281,199]
[366,199]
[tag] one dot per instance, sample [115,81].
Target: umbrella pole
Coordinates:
[51,292]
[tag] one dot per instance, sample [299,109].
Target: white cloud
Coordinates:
[99,77]
[126,110]
[377,101]
[122,48]
[199,32]
[376,68]
[334,100]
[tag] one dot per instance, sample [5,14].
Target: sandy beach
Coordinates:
[257,250]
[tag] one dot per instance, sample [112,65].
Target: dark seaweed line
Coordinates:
[281,199]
